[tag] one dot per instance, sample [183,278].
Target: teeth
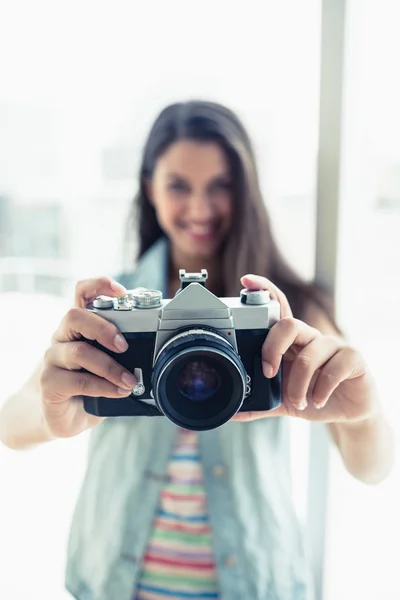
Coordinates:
[201,229]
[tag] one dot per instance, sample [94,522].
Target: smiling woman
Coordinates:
[69,145]
[238,533]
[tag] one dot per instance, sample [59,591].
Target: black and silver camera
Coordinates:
[196,357]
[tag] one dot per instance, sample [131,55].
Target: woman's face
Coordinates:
[191,191]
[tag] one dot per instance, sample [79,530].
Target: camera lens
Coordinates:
[198,380]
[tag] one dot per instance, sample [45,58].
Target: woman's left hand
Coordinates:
[324,379]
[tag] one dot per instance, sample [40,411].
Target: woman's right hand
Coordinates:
[63,383]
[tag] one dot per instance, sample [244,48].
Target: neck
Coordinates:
[194,265]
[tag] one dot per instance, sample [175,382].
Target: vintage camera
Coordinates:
[196,357]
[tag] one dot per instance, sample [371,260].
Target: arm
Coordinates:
[367,447]
[21,418]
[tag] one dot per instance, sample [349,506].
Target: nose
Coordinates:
[201,207]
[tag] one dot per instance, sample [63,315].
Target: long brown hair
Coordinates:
[250,246]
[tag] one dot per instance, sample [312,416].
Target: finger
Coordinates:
[313,356]
[254,415]
[256,282]
[282,336]
[80,322]
[88,289]
[345,364]
[80,355]
[58,385]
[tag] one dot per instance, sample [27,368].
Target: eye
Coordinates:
[220,185]
[178,186]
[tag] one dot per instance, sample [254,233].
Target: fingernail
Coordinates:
[267,369]
[318,405]
[128,379]
[120,343]
[123,391]
[302,405]
[117,287]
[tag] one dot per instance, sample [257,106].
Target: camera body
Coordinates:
[196,357]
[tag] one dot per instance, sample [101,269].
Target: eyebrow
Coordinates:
[224,175]
[175,176]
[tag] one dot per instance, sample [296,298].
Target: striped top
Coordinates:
[179,561]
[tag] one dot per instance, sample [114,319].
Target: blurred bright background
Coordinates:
[80,84]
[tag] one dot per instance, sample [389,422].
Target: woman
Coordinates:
[168,513]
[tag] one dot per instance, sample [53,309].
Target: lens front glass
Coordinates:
[198,380]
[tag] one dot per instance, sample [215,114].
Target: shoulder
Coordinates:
[150,270]
[315,316]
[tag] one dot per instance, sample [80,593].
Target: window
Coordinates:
[363,524]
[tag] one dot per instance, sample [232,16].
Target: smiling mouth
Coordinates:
[202,231]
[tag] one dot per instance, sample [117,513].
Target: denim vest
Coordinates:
[258,543]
